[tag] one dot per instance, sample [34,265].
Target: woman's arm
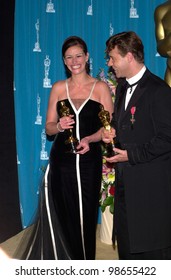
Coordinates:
[54,124]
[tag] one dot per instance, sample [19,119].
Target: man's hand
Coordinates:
[121,156]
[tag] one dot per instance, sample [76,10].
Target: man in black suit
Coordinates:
[142,126]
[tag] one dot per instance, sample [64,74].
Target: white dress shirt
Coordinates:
[132,81]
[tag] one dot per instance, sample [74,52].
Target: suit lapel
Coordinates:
[120,101]
[138,92]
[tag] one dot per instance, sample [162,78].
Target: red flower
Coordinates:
[112,190]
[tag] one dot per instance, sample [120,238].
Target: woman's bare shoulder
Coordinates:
[59,85]
[58,91]
[101,86]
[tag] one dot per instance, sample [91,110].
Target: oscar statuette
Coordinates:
[71,142]
[104,116]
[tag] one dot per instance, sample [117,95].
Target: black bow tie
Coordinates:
[131,86]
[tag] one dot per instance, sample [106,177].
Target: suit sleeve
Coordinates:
[160,143]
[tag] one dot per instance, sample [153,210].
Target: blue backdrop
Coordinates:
[41,26]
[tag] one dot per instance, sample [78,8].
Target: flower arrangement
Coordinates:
[108,172]
[109,79]
[107,188]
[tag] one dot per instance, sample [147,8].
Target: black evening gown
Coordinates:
[66,227]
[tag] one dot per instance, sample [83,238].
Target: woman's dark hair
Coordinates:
[75,41]
[126,42]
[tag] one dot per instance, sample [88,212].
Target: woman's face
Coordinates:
[75,59]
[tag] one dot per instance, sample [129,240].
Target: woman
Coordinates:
[74,177]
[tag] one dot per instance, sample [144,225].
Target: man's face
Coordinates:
[119,63]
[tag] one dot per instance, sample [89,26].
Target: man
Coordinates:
[142,125]
[162,17]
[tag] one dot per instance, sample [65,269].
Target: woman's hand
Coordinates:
[108,135]
[83,146]
[66,122]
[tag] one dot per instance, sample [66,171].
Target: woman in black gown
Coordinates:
[70,203]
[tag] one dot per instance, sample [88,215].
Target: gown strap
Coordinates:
[67,89]
[92,89]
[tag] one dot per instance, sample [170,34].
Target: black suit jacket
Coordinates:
[147,175]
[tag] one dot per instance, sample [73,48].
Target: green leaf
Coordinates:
[111,208]
[108,201]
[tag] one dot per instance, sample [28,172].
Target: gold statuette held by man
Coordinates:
[71,142]
[104,116]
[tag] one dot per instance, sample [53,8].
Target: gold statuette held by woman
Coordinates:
[104,116]
[71,142]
